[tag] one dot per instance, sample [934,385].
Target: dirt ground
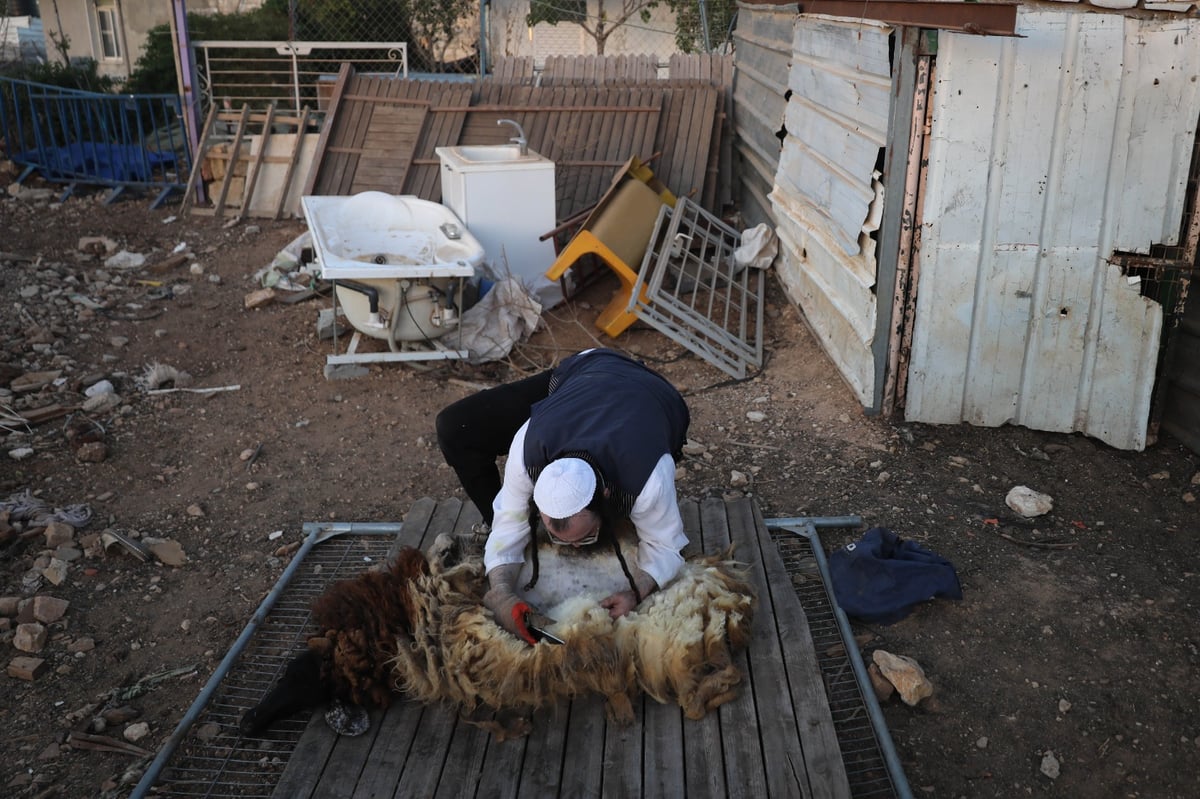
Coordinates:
[1068,669]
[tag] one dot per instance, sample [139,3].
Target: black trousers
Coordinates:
[475,431]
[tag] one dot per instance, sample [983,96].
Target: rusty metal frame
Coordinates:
[984,19]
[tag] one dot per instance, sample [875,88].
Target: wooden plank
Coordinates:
[393,745]
[331,122]
[623,750]
[223,193]
[584,762]
[198,164]
[347,762]
[297,146]
[788,660]
[505,774]
[540,762]
[388,149]
[413,530]
[256,164]
[703,773]
[308,759]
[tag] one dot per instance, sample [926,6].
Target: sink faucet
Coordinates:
[519,139]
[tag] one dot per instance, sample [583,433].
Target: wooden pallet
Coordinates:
[776,739]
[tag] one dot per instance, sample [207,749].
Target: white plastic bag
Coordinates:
[758,248]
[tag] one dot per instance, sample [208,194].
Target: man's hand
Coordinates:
[510,610]
[619,603]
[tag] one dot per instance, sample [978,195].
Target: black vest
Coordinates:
[613,412]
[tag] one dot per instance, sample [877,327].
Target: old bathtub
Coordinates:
[399,262]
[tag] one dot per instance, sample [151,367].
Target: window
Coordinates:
[110,42]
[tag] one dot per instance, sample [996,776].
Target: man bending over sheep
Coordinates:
[591,442]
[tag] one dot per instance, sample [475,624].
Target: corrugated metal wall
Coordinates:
[1048,153]
[762,53]
[827,197]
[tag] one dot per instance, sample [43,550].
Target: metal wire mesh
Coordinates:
[214,760]
[691,290]
[866,767]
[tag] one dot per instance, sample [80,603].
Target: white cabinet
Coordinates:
[506,199]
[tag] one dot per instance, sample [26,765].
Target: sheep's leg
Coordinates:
[504,723]
[300,687]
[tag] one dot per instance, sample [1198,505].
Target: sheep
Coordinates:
[420,629]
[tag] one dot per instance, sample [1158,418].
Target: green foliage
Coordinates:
[154,72]
[83,75]
[689,25]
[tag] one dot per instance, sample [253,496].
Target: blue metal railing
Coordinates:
[86,138]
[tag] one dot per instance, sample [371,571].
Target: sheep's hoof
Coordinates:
[620,709]
[347,719]
[504,724]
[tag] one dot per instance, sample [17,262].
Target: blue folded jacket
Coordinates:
[881,578]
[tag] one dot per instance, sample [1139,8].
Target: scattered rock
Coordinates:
[738,479]
[120,715]
[30,637]
[1050,766]
[49,609]
[56,571]
[26,668]
[1027,502]
[80,645]
[58,533]
[258,299]
[904,673]
[92,452]
[756,416]
[136,732]
[168,552]
[195,511]
[694,448]
[883,688]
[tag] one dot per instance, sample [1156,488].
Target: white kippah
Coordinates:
[564,487]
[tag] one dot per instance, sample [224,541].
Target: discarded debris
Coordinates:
[168,552]
[157,375]
[110,538]
[103,743]
[214,390]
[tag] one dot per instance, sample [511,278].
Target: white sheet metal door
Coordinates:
[1047,154]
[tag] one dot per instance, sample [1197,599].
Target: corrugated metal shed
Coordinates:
[763,51]
[1048,153]
[827,197]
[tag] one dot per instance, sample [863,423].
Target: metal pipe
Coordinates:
[189,718]
[815,521]
[887,747]
[315,533]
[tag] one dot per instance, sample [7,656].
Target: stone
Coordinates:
[694,448]
[136,731]
[1050,765]
[58,533]
[80,645]
[756,416]
[49,609]
[1027,502]
[883,688]
[258,299]
[168,552]
[904,673]
[738,479]
[30,637]
[56,571]
[26,668]
[195,511]
[92,452]
[9,605]
[120,715]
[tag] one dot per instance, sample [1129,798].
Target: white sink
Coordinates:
[469,154]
